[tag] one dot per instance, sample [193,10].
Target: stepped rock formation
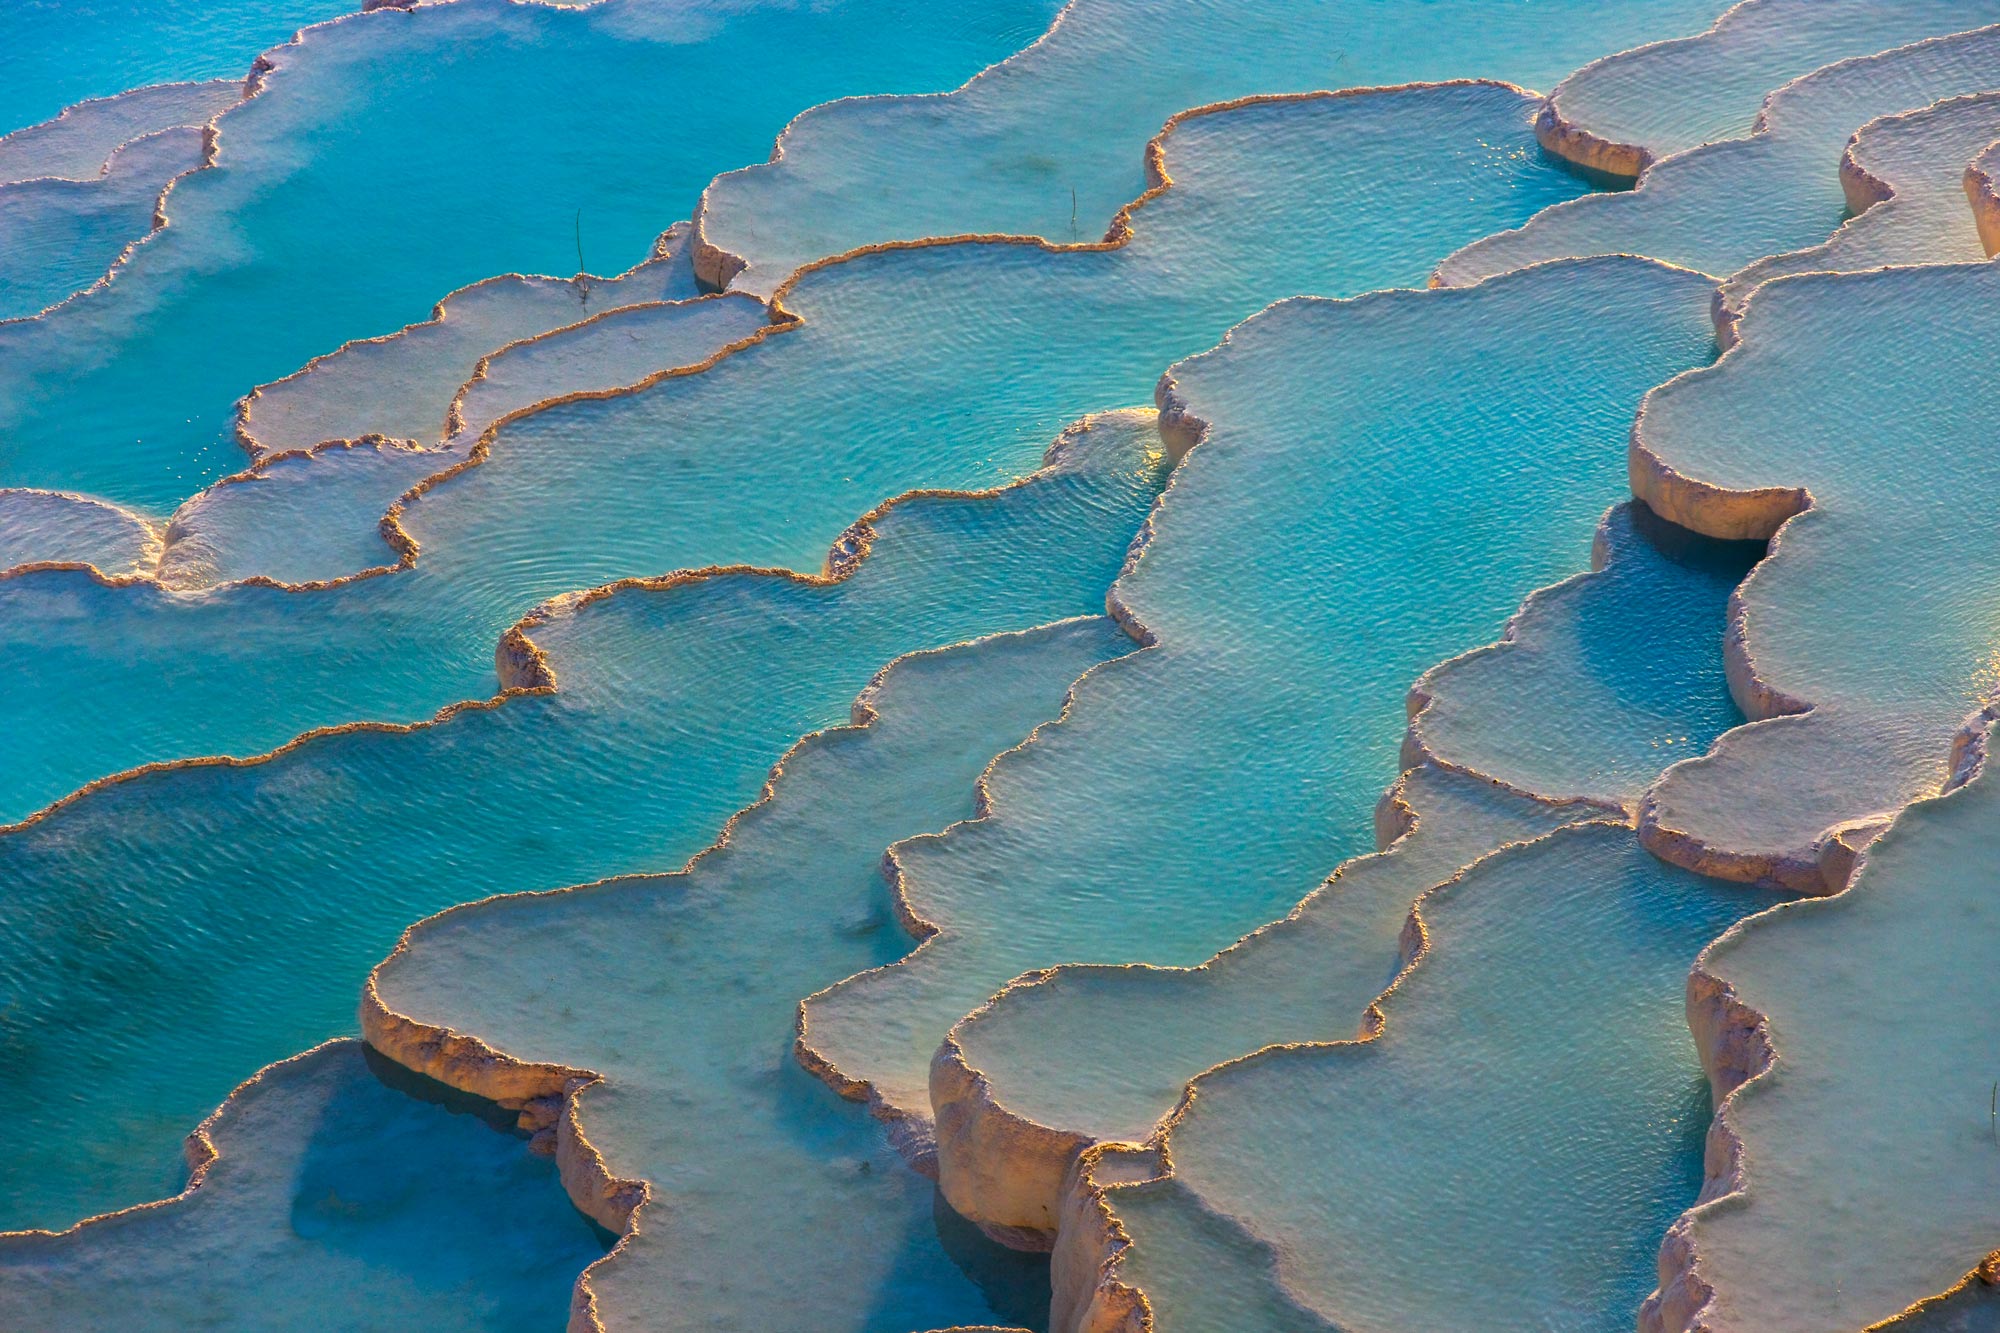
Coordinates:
[366,558]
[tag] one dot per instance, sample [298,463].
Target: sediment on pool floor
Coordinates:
[1142,795]
[1723,206]
[1890,677]
[1077,1054]
[545,788]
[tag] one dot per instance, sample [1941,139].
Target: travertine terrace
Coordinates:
[1110,666]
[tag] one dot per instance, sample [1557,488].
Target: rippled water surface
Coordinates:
[873,638]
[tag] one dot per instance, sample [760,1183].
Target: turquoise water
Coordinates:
[1726,205]
[339,1202]
[329,364]
[1634,654]
[1200,789]
[56,52]
[1053,143]
[170,934]
[1508,1151]
[412,121]
[246,668]
[964,389]
[1854,614]
[1870,1166]
[700,976]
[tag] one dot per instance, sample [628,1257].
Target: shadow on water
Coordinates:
[406,1176]
[1726,559]
[410,1180]
[1015,1284]
[1591,176]
[1670,585]
[423,1088]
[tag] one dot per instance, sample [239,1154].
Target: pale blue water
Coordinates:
[701,974]
[349,1195]
[1202,788]
[169,935]
[1508,1151]
[963,389]
[55,52]
[1386,480]
[412,130]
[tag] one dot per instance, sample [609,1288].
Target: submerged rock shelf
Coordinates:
[1585,497]
[62,236]
[277,882]
[1083,855]
[1724,206]
[677,1135]
[1501,1154]
[79,144]
[1839,1114]
[1622,114]
[326,1187]
[1848,737]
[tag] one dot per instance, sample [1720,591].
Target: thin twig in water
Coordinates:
[1993,1112]
[582,274]
[1072,212]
